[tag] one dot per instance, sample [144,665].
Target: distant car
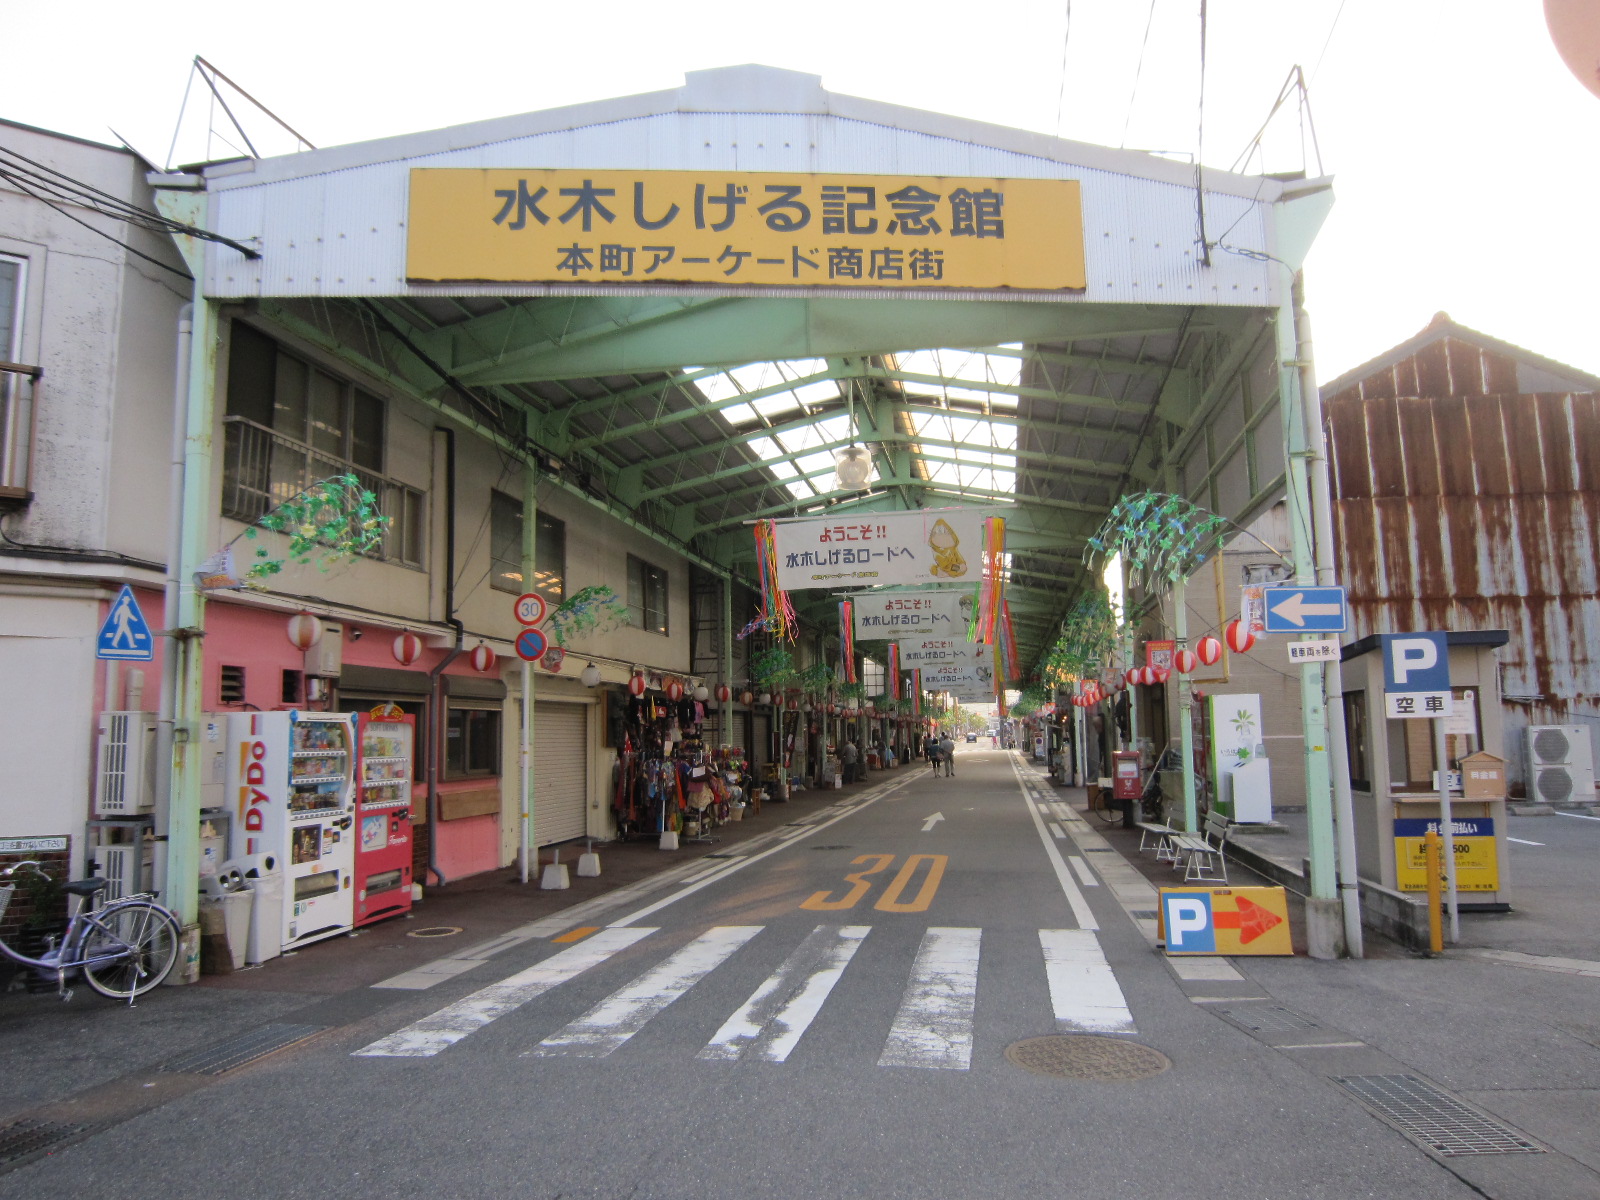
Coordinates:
[972,737]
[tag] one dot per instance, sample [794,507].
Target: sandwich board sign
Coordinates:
[1225,920]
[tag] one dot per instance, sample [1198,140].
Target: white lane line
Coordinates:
[730,868]
[1537,962]
[1083,988]
[934,1025]
[773,1020]
[1057,832]
[1523,841]
[1579,816]
[1083,871]
[1080,906]
[450,1024]
[624,1013]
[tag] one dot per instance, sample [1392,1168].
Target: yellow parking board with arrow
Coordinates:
[1224,921]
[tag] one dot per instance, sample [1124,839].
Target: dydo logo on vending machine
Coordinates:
[252,775]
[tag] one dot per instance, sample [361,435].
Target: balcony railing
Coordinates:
[19,400]
[261,469]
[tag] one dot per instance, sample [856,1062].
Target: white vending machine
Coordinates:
[292,793]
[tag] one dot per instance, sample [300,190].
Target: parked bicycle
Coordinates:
[123,948]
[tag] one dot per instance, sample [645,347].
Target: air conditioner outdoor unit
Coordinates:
[128,867]
[125,764]
[1560,764]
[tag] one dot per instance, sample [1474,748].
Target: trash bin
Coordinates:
[264,877]
[226,904]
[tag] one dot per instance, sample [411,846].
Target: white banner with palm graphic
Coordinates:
[1238,752]
[867,549]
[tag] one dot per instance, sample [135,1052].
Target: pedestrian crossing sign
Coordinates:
[1224,921]
[125,634]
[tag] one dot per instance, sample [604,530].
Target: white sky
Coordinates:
[1464,151]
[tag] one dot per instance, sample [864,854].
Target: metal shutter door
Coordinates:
[561,771]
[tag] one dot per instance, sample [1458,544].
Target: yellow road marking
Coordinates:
[578,934]
[891,898]
[819,902]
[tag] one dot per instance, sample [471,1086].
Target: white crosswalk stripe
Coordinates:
[778,1013]
[934,1025]
[1083,988]
[452,1023]
[622,1014]
[933,1028]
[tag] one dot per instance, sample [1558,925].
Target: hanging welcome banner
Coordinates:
[928,546]
[978,675]
[932,652]
[882,615]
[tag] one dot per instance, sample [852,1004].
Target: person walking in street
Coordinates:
[931,746]
[849,754]
[947,753]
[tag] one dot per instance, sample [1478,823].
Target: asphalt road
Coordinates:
[823,1013]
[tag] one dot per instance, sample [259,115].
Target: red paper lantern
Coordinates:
[1185,661]
[636,684]
[305,630]
[1240,639]
[1132,676]
[747,698]
[1162,674]
[674,691]
[407,649]
[1208,650]
[482,658]
[724,693]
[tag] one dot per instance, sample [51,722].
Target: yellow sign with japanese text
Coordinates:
[1477,860]
[744,228]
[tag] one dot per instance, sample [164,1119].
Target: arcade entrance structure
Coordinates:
[682,305]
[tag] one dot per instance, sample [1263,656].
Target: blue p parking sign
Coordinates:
[1416,674]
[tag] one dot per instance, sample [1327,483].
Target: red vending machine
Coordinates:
[386,738]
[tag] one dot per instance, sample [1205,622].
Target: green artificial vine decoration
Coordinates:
[818,677]
[594,608]
[773,667]
[1162,538]
[332,521]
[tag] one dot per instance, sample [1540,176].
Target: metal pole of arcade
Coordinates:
[530,583]
[1180,625]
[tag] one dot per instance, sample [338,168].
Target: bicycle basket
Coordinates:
[5,897]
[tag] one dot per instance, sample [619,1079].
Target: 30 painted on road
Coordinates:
[892,899]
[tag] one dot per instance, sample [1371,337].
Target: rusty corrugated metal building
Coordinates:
[1466,478]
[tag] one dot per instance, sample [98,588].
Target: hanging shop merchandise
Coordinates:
[667,782]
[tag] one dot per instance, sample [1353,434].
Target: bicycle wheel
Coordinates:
[149,936]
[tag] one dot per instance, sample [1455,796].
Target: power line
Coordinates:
[1061,96]
[1200,145]
[1327,41]
[1137,72]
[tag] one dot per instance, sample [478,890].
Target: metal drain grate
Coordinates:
[22,1139]
[1439,1121]
[1088,1057]
[246,1048]
[1143,914]
[1267,1018]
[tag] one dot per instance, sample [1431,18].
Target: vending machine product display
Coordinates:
[291,781]
[386,740]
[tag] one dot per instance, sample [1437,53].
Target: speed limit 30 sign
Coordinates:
[530,608]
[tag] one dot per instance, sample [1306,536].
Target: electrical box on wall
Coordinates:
[326,658]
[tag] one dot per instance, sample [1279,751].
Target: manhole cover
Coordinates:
[1087,1056]
[436,931]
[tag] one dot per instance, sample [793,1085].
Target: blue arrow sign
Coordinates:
[125,634]
[1305,610]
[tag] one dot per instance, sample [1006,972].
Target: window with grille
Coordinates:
[290,424]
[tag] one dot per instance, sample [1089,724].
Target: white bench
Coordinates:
[1158,836]
[1200,856]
